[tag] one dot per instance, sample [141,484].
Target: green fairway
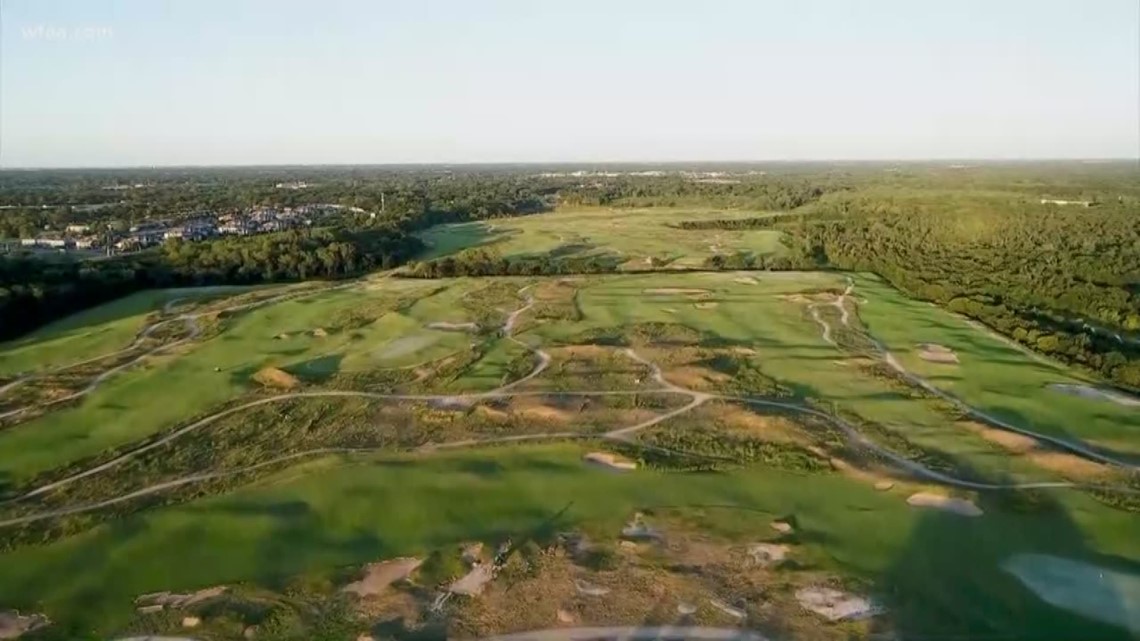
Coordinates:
[631,236]
[329,513]
[993,375]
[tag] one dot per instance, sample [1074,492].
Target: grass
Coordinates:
[336,512]
[631,234]
[167,390]
[939,574]
[993,375]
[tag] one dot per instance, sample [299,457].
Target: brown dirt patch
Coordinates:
[496,415]
[697,378]
[532,409]
[1068,465]
[278,378]
[378,576]
[1009,440]
[769,427]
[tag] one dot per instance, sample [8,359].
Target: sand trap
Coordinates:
[191,622]
[451,403]
[709,305]
[945,503]
[472,583]
[767,554]
[935,353]
[783,527]
[669,310]
[1095,592]
[686,609]
[565,617]
[676,290]
[611,461]
[274,377]
[1096,394]
[378,576]
[588,589]
[835,605]
[281,337]
[883,486]
[13,624]
[727,609]
[746,280]
[320,332]
[454,327]
[176,600]
[405,346]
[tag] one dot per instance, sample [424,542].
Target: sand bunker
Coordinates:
[405,346]
[686,609]
[13,624]
[835,605]
[935,353]
[472,583]
[274,377]
[746,280]
[1098,593]
[709,305]
[676,290]
[727,609]
[378,576]
[883,486]
[320,332]
[588,589]
[783,527]
[1096,394]
[611,461]
[767,554]
[945,503]
[454,327]
[176,600]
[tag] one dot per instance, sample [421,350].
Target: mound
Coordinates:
[274,377]
[934,353]
[946,503]
[611,461]
[1096,394]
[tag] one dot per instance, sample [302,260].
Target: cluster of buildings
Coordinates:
[194,226]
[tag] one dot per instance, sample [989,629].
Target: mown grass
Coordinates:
[993,375]
[337,512]
[630,234]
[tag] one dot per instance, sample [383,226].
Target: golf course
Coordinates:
[845,444]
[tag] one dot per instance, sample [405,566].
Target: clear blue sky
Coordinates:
[142,82]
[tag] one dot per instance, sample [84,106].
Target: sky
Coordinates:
[92,83]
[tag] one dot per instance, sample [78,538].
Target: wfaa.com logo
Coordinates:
[66,33]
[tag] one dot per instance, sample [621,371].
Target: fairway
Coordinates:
[637,239]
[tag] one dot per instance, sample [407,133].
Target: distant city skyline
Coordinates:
[107,83]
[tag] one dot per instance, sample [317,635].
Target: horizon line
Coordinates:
[478,163]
